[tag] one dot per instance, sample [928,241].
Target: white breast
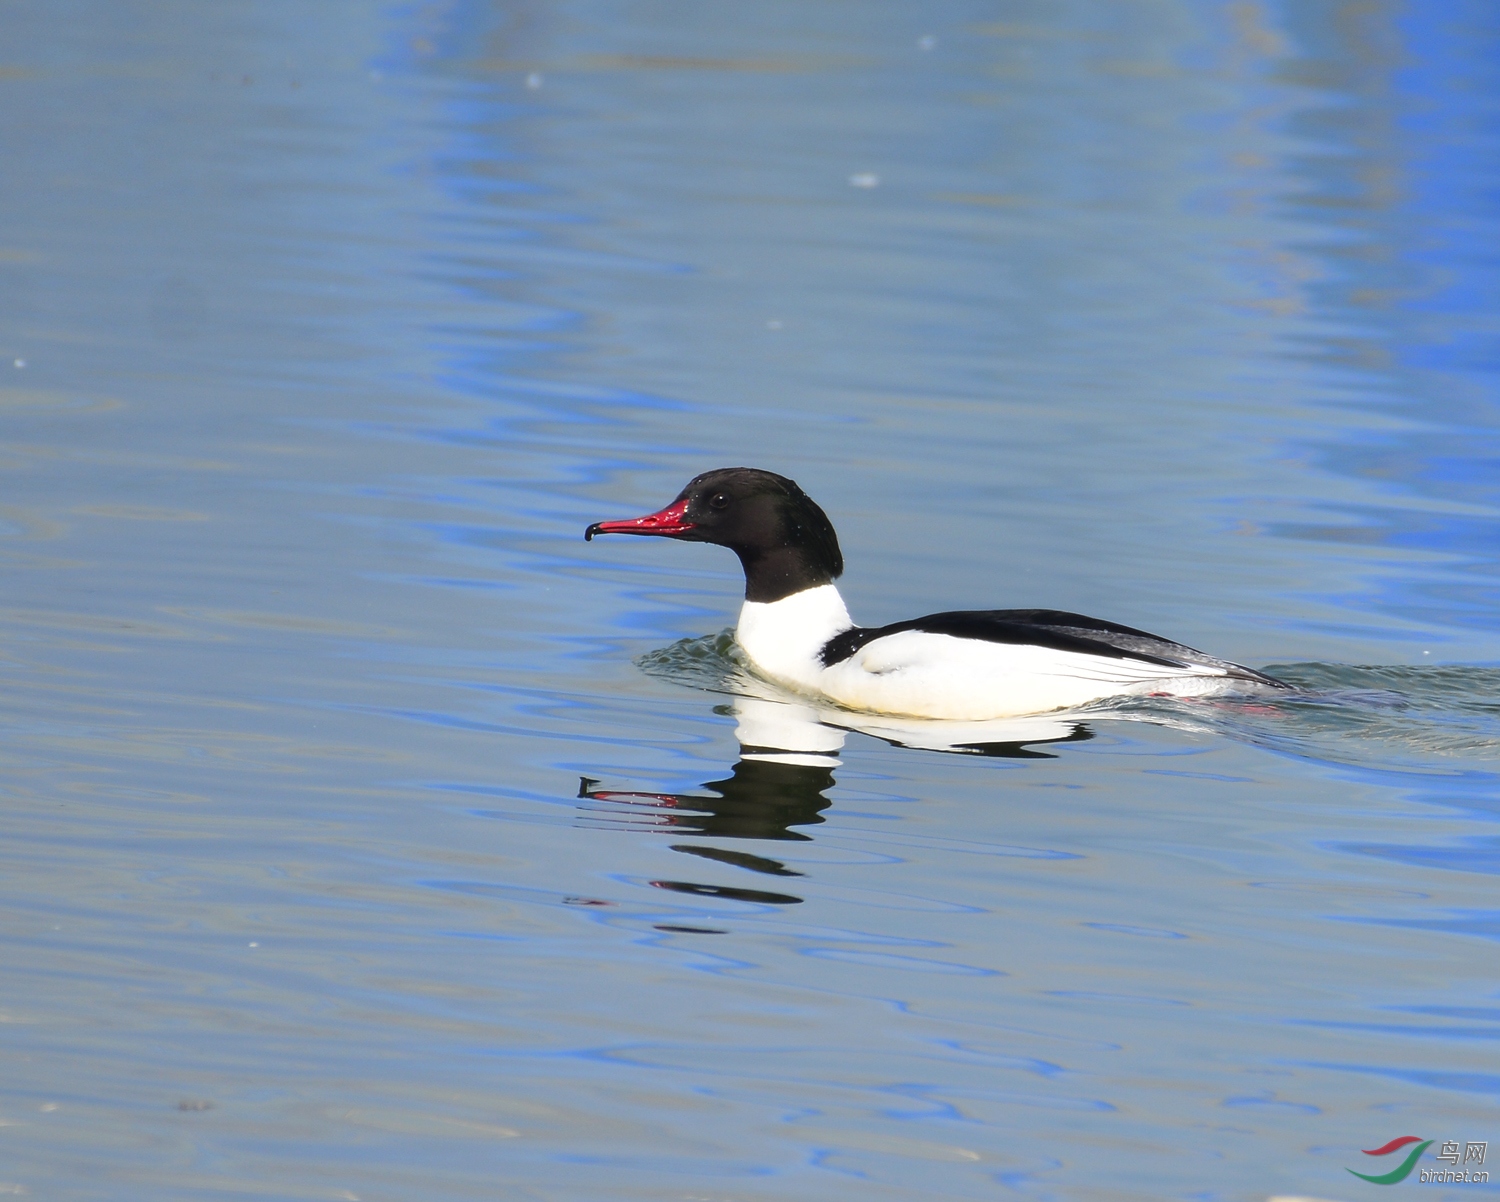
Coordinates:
[783,638]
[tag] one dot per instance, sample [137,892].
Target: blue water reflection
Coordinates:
[323,333]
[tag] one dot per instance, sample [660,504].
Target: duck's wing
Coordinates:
[1055,630]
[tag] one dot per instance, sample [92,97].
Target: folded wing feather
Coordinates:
[1132,655]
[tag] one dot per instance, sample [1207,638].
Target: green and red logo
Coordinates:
[1403,1170]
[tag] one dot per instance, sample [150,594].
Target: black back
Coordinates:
[1052,628]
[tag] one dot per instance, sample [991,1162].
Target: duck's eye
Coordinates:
[718,501]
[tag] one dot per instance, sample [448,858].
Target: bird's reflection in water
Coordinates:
[779,786]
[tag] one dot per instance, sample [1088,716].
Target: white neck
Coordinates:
[783,638]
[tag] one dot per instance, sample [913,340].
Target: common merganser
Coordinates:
[970,665]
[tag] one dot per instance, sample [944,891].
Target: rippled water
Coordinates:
[368,835]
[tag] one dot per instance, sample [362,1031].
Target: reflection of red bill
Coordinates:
[665,799]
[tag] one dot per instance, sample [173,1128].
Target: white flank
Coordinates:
[923,675]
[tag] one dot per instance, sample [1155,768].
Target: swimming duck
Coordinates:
[971,665]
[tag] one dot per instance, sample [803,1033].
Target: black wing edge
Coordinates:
[1053,628]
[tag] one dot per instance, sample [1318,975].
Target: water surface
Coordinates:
[368,835]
